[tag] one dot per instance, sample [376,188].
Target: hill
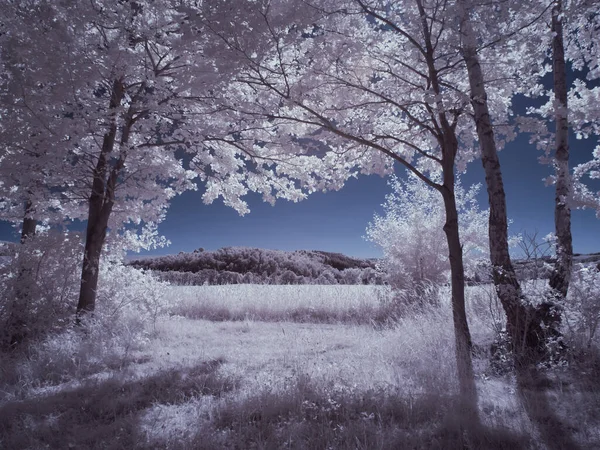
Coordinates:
[235,265]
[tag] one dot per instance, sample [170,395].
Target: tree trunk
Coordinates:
[100,207]
[15,327]
[449,144]
[523,321]
[561,275]
[462,335]
[95,237]
[29,223]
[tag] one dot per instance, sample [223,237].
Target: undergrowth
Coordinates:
[306,416]
[103,413]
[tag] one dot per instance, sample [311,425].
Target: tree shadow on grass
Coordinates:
[103,414]
[532,386]
[305,416]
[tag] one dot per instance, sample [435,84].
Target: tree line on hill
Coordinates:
[247,265]
[244,265]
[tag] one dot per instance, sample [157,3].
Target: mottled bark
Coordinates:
[523,321]
[561,275]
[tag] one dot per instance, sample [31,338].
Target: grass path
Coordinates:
[266,354]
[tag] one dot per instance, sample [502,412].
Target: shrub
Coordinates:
[38,286]
[129,301]
[582,308]
[128,295]
[410,234]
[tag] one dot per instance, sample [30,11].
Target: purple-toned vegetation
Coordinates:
[243,265]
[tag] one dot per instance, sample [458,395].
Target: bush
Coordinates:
[411,236]
[582,308]
[39,302]
[38,287]
[127,295]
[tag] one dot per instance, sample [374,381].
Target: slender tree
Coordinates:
[505,279]
[31,130]
[137,49]
[573,30]
[559,280]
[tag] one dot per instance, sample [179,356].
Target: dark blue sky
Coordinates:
[336,221]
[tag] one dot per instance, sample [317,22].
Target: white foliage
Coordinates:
[581,22]
[583,194]
[411,236]
[39,283]
[582,308]
[328,96]
[129,296]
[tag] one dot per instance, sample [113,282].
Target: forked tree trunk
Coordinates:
[561,275]
[462,335]
[523,321]
[449,144]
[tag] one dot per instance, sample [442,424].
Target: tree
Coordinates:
[559,280]
[134,117]
[33,128]
[411,237]
[364,85]
[528,325]
[505,279]
[89,125]
[32,154]
[133,96]
[570,40]
[571,108]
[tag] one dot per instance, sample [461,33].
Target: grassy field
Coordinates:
[303,367]
[299,303]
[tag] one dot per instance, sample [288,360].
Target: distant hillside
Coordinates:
[234,265]
[245,265]
[541,268]
[586,258]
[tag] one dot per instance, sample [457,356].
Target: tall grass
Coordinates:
[274,303]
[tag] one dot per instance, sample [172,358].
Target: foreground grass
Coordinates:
[192,409]
[283,384]
[102,413]
[308,417]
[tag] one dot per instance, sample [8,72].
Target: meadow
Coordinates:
[303,367]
